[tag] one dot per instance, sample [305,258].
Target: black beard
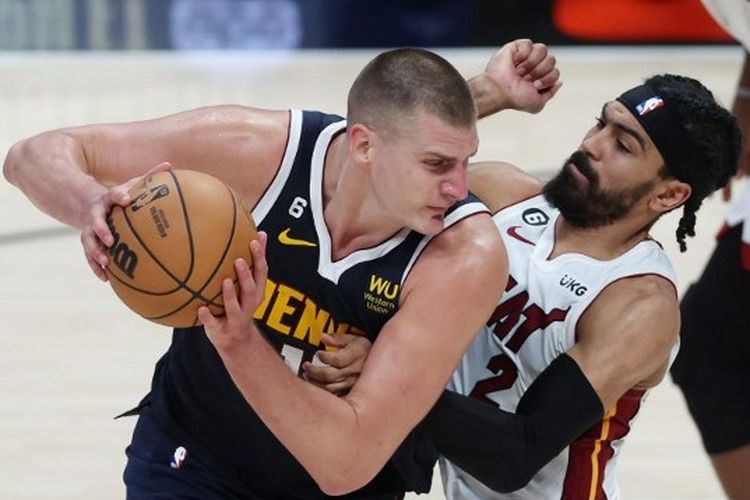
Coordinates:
[589,206]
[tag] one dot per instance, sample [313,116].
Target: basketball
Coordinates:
[175,243]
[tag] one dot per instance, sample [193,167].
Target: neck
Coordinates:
[602,243]
[352,212]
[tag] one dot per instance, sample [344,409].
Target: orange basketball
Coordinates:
[175,243]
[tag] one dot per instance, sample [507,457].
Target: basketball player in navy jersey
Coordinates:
[368,227]
[590,319]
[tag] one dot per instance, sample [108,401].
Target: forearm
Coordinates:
[50,170]
[331,437]
[487,95]
[504,450]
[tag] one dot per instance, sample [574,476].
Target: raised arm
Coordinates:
[69,173]
[522,75]
[505,450]
[344,442]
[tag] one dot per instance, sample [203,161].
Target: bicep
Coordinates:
[239,145]
[625,338]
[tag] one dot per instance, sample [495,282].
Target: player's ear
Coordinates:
[670,194]
[360,142]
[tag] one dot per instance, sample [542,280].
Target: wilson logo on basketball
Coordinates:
[123,256]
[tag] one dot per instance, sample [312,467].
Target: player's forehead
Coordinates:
[430,134]
[616,113]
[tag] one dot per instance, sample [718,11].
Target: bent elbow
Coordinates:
[11,164]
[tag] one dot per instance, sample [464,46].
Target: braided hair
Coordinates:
[715,135]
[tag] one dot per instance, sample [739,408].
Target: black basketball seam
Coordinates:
[229,243]
[189,231]
[207,302]
[198,294]
[146,292]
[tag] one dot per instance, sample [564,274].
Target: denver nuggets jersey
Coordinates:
[535,322]
[307,293]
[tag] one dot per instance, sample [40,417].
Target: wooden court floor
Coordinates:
[72,357]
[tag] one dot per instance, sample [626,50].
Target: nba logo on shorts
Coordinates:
[179,457]
[649,105]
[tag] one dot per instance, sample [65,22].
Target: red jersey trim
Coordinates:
[589,455]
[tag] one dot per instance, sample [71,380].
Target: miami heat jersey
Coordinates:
[307,293]
[533,324]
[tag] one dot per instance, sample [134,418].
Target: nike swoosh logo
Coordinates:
[512,232]
[285,239]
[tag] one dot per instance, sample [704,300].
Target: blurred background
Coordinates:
[251,24]
[72,356]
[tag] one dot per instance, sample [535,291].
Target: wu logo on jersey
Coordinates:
[649,105]
[381,295]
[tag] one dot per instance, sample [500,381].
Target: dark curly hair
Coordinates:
[715,135]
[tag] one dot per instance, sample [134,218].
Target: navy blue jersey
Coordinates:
[307,293]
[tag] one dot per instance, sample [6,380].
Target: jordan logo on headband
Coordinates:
[649,105]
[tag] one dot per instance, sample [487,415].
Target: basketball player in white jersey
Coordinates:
[590,317]
[712,368]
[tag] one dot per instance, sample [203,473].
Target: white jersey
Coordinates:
[533,324]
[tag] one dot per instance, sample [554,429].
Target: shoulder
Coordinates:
[500,184]
[468,253]
[633,305]
[244,146]
[641,289]
[244,120]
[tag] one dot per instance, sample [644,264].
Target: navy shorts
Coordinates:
[713,366]
[159,467]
